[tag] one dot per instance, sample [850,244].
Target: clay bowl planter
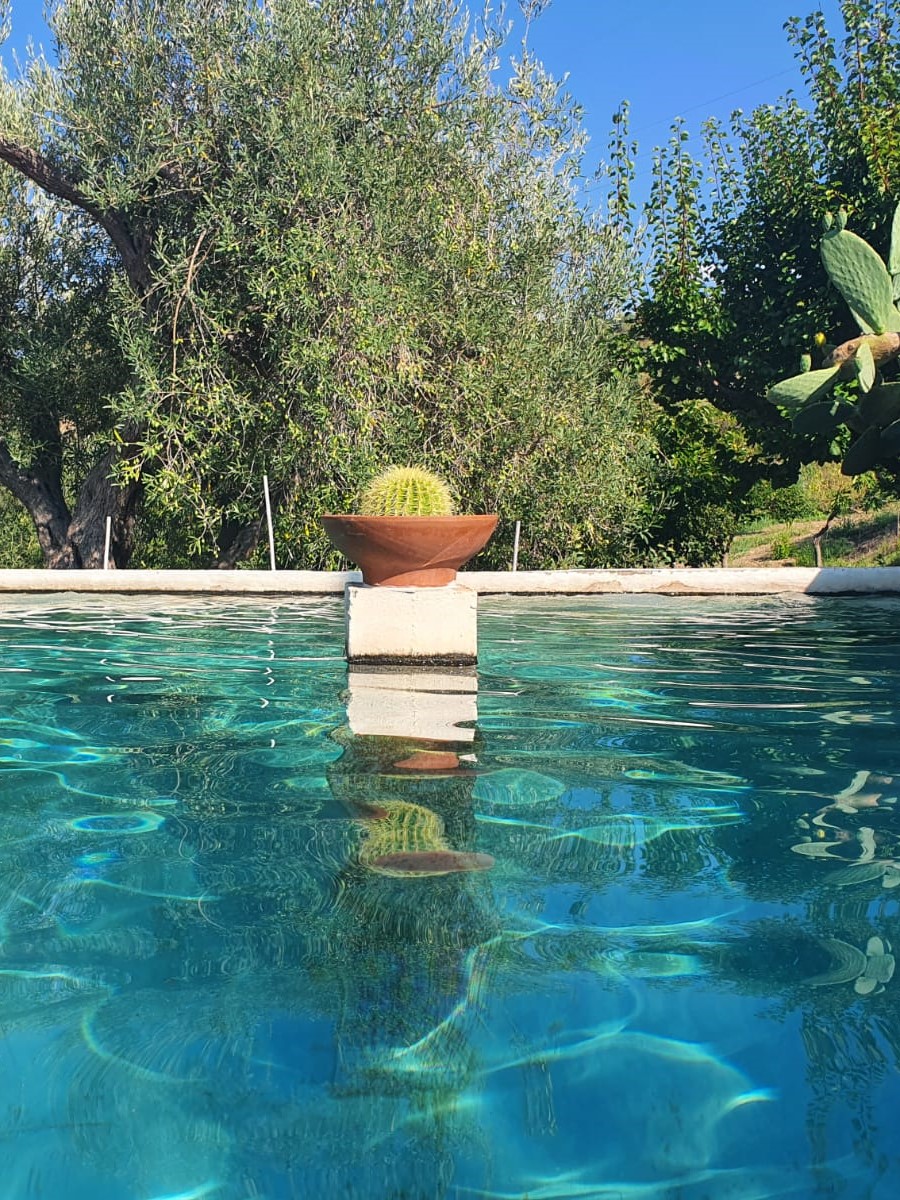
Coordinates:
[409,551]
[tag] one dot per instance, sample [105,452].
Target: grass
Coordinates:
[856,540]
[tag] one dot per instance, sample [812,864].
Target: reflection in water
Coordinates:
[270,930]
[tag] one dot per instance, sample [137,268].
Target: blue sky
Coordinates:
[693,58]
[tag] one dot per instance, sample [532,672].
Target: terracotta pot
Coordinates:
[409,551]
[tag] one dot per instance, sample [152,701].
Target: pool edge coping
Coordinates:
[665,581]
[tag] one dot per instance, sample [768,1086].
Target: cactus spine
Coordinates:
[407,492]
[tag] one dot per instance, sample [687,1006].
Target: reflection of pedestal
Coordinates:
[420,705]
[411,625]
[407,773]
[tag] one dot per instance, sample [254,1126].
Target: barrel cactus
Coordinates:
[407,492]
[871,289]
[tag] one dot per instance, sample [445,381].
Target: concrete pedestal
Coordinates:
[425,626]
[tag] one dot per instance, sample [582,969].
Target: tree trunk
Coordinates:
[101,497]
[819,537]
[39,489]
[72,540]
[237,542]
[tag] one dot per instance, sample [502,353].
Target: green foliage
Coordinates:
[782,547]
[829,491]
[863,280]
[708,469]
[681,322]
[820,492]
[743,235]
[330,238]
[710,462]
[586,487]
[771,504]
[18,544]
[406,492]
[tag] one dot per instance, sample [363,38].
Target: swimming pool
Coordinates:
[218,976]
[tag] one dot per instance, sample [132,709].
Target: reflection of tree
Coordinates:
[828,960]
[196,954]
[409,936]
[787,767]
[594,822]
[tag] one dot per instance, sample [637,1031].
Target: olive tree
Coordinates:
[59,370]
[322,238]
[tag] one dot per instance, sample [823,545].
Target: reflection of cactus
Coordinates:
[404,839]
[406,492]
[870,289]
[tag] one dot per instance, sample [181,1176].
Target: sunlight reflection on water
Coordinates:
[621,925]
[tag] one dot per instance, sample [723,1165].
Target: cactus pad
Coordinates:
[861,277]
[869,288]
[890,440]
[865,366]
[824,417]
[894,256]
[882,405]
[802,389]
[865,452]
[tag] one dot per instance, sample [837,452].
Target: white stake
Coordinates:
[269,523]
[515,565]
[106,544]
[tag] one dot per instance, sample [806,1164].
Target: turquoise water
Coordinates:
[218,977]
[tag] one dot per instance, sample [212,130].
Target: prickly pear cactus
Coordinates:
[407,492]
[861,277]
[868,407]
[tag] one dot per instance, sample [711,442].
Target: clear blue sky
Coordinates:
[693,58]
[669,58]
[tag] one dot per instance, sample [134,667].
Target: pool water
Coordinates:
[656,962]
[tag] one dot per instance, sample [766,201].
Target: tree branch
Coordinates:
[35,167]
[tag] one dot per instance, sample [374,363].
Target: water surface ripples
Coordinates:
[675,982]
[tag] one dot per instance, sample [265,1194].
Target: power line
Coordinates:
[715,99]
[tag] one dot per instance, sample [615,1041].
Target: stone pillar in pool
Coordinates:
[411,625]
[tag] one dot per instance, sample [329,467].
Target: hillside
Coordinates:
[855,540]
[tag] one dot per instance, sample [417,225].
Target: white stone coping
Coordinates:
[668,581]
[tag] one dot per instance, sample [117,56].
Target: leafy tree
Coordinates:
[709,461]
[739,292]
[321,238]
[18,544]
[58,367]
